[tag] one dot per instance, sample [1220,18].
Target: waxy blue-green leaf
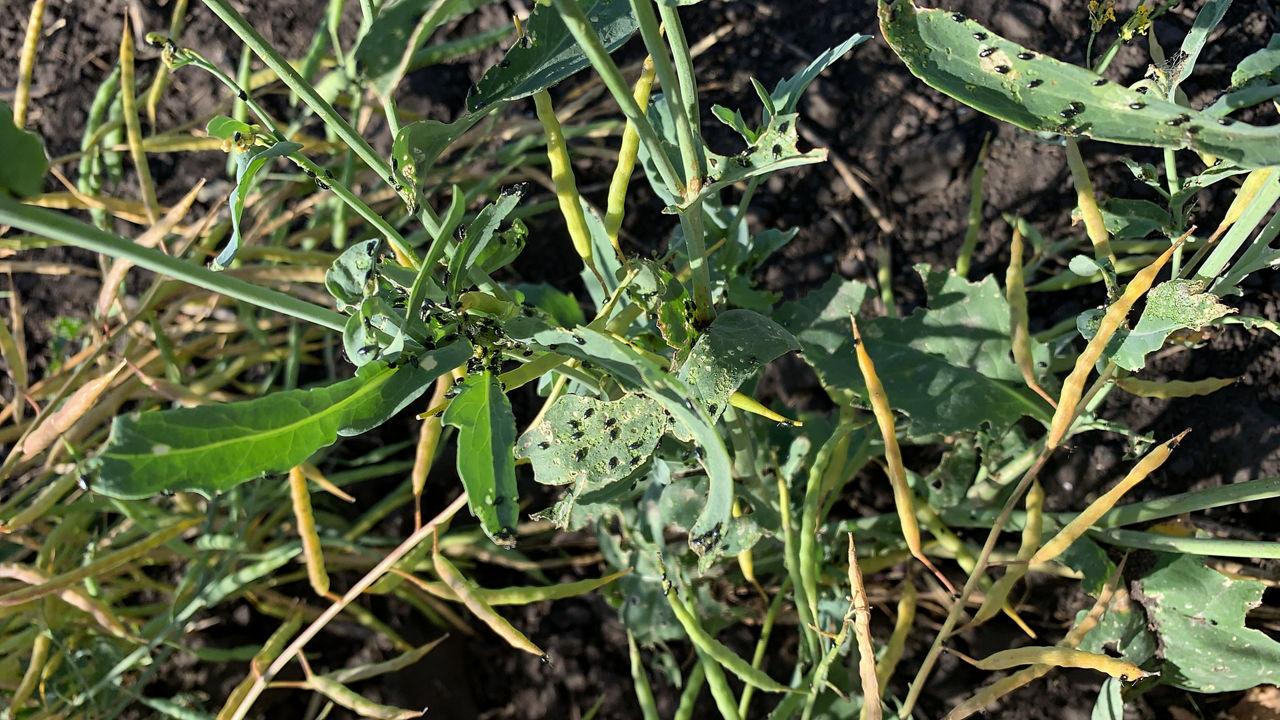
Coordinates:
[248,163]
[548,53]
[486,463]
[22,172]
[349,278]
[736,345]
[592,443]
[1199,615]
[636,371]
[419,144]
[949,367]
[479,235]
[1171,306]
[210,449]
[1001,78]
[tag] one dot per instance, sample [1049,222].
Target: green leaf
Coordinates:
[1036,92]
[1259,255]
[667,301]
[348,278]
[592,443]
[1207,19]
[948,367]
[1090,560]
[486,465]
[638,372]
[786,96]
[377,331]
[548,53]
[1126,218]
[560,305]
[479,235]
[679,505]
[1171,306]
[1110,704]
[1123,630]
[385,51]
[248,163]
[225,128]
[734,119]
[1262,67]
[210,449]
[22,172]
[736,345]
[1199,615]
[419,144]
[774,149]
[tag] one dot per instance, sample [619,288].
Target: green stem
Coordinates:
[652,35]
[684,67]
[342,191]
[691,225]
[70,231]
[689,696]
[975,211]
[586,37]
[321,107]
[1174,185]
[766,629]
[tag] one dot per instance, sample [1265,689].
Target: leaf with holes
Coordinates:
[419,144]
[592,443]
[1001,78]
[736,345]
[1199,615]
[667,301]
[774,149]
[350,276]
[1171,306]
[636,371]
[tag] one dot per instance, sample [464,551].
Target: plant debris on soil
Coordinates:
[911,149]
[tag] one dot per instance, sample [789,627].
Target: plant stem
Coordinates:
[321,107]
[674,81]
[586,37]
[392,235]
[651,32]
[684,70]
[70,231]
